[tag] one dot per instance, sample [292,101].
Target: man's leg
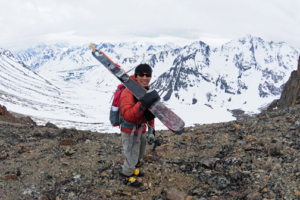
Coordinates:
[131,160]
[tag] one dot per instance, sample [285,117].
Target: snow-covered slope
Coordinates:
[19,82]
[24,91]
[199,83]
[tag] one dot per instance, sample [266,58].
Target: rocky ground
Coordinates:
[255,158]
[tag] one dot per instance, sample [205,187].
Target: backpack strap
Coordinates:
[120,116]
[121,88]
[138,139]
[120,119]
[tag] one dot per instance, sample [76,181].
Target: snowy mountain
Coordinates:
[245,71]
[41,54]
[199,83]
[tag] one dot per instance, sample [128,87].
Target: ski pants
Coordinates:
[137,153]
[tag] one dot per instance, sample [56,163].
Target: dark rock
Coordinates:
[142,189]
[212,180]
[207,146]
[208,162]
[274,140]
[274,149]
[254,196]
[50,125]
[222,182]
[214,192]
[248,147]
[174,194]
[290,93]
[176,160]
[37,132]
[230,162]
[17,172]
[43,197]
[278,134]
[47,176]
[239,194]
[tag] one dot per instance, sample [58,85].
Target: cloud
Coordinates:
[25,23]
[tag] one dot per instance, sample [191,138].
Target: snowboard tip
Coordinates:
[92,46]
[179,132]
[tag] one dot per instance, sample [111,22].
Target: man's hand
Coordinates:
[149,98]
[151,135]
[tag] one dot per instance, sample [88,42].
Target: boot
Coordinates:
[139,164]
[138,172]
[130,180]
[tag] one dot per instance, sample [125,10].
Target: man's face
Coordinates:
[143,80]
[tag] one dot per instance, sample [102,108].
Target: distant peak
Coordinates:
[170,44]
[41,45]
[61,45]
[197,43]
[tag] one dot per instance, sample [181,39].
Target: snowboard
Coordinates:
[164,114]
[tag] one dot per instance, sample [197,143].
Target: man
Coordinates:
[135,116]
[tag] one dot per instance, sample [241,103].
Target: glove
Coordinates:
[148,115]
[149,98]
[151,135]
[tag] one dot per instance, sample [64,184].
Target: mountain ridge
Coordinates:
[242,74]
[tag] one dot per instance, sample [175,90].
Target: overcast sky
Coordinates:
[25,23]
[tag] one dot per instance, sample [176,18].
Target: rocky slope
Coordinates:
[256,158]
[290,94]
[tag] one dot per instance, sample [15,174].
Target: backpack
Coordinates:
[115,113]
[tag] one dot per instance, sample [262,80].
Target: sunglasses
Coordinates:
[142,75]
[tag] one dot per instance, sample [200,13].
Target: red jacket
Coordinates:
[130,109]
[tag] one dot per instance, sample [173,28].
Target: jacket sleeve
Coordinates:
[130,109]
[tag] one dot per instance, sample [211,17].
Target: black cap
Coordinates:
[142,68]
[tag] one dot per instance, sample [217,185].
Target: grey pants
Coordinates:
[137,153]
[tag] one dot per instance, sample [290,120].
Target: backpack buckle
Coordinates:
[138,126]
